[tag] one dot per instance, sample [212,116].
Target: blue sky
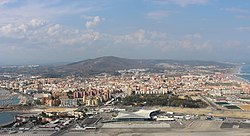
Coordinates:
[45,31]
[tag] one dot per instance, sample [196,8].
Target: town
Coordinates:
[54,105]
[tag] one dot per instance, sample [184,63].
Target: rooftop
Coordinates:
[141,114]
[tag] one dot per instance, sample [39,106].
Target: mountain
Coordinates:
[111,64]
[108,64]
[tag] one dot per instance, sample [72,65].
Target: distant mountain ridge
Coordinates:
[111,64]
[107,64]
[103,64]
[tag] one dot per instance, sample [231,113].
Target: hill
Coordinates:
[109,64]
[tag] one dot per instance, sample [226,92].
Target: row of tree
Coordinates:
[162,100]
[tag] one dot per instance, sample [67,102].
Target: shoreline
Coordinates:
[8,114]
[237,72]
[11,93]
[22,100]
[242,79]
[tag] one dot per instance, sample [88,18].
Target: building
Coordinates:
[69,102]
[141,115]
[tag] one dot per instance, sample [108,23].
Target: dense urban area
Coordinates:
[179,98]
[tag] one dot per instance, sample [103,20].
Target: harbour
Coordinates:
[8,99]
[7,118]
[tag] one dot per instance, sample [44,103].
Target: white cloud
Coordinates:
[90,35]
[194,36]
[243,16]
[3,2]
[189,2]
[239,13]
[96,20]
[236,10]
[38,32]
[47,35]
[162,41]
[7,28]
[192,45]
[19,29]
[159,14]
[14,30]
[54,29]
[87,17]
[184,3]
[242,29]
[39,9]
[38,22]
[193,42]
[139,37]
[23,27]
[232,44]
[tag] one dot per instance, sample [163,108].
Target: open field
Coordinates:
[245,107]
[206,111]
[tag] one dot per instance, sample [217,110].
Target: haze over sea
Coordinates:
[245,72]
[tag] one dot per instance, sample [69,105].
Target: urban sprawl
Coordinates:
[102,102]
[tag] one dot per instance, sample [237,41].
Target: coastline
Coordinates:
[238,72]
[12,94]
[8,118]
[242,79]
[22,99]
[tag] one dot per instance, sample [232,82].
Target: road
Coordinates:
[64,129]
[90,121]
[213,105]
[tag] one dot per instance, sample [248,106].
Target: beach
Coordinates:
[241,73]
[245,70]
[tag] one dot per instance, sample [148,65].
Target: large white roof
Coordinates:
[138,114]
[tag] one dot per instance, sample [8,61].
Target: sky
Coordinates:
[52,31]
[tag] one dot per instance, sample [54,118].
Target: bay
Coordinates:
[6,98]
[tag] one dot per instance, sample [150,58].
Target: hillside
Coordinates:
[109,64]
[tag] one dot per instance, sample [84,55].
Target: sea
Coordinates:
[6,117]
[244,72]
[6,98]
